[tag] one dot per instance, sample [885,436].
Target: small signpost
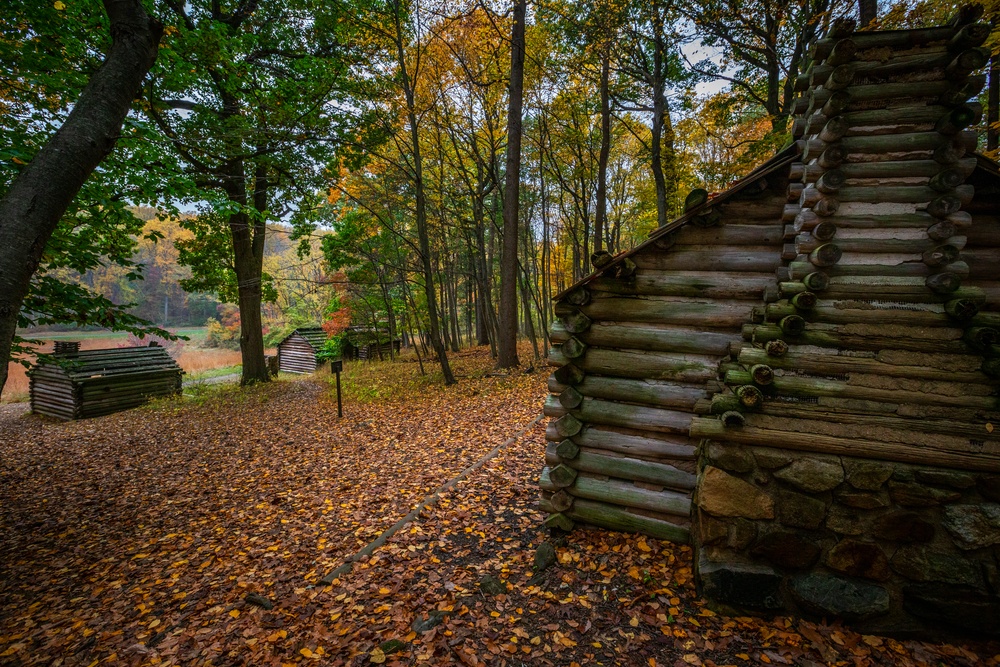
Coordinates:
[336,366]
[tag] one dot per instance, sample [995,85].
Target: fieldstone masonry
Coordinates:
[891,547]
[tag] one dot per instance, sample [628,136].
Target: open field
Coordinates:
[192,358]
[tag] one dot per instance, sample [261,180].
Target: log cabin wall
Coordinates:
[831,381]
[639,344]
[849,468]
[77,385]
[297,352]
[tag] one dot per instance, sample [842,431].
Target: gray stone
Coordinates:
[961,607]
[904,527]
[722,494]
[826,595]
[949,478]
[800,511]
[741,534]
[991,573]
[787,550]
[844,521]
[858,559]
[902,475]
[733,459]
[490,585]
[812,474]
[922,564]
[917,495]
[989,487]
[391,646]
[771,459]
[711,531]
[865,500]
[973,526]
[259,600]
[866,475]
[741,585]
[545,556]
[433,619]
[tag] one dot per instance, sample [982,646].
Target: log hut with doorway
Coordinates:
[70,384]
[297,351]
[800,376]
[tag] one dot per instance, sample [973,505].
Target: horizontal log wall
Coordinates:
[101,382]
[885,315]
[296,355]
[636,353]
[866,389]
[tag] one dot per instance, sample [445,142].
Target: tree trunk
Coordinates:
[39,196]
[867,12]
[660,112]
[601,214]
[507,343]
[421,215]
[993,106]
[248,261]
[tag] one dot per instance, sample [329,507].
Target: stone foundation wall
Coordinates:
[889,547]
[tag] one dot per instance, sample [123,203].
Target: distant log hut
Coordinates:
[800,376]
[70,384]
[297,352]
[365,343]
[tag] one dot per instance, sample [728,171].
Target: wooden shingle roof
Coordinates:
[315,336]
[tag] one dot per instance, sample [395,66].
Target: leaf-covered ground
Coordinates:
[136,539]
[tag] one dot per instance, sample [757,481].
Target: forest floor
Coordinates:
[137,538]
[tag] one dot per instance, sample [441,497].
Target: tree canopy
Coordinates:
[372,137]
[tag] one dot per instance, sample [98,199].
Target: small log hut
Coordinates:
[800,376]
[297,351]
[71,384]
[365,343]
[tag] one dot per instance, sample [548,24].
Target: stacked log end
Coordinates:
[878,351]
[820,346]
[637,351]
[876,258]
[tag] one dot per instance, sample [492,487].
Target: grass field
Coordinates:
[195,360]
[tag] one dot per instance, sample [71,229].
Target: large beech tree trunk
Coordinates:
[248,261]
[507,343]
[39,196]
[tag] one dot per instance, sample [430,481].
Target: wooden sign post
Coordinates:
[337,365]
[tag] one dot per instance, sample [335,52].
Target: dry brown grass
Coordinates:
[197,360]
[191,359]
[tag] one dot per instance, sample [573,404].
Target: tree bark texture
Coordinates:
[601,214]
[421,210]
[993,106]
[38,197]
[507,344]
[248,261]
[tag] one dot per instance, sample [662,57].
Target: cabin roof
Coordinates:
[315,336]
[91,364]
[782,159]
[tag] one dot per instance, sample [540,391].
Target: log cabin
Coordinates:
[297,351]
[71,384]
[799,377]
[367,344]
